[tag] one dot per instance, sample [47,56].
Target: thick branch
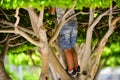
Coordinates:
[32,14]
[88,42]
[37,43]
[23,35]
[98,19]
[7,31]
[34,21]
[91,16]
[101,46]
[40,19]
[5,48]
[27,30]
[57,66]
[90,30]
[115,21]
[17,18]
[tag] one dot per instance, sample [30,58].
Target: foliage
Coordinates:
[12,4]
[11,73]
[31,76]
[20,55]
[21,48]
[112,52]
[27,74]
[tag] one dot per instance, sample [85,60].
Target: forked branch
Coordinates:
[102,45]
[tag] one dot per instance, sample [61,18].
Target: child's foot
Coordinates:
[72,73]
[77,70]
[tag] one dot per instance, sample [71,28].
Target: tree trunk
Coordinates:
[3,73]
[44,68]
[57,66]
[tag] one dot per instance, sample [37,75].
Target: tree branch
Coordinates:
[101,46]
[91,16]
[88,42]
[15,37]
[110,16]
[40,19]
[17,18]
[4,14]
[20,27]
[4,39]
[27,30]
[17,44]
[34,21]
[5,49]
[7,31]
[67,19]
[90,30]
[37,43]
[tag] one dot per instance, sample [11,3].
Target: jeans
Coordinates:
[68,35]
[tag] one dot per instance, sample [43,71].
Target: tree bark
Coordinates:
[101,47]
[3,73]
[57,66]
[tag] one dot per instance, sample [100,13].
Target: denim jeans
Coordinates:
[68,33]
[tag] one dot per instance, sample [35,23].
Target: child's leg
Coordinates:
[69,58]
[75,58]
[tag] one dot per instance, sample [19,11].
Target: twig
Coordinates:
[110,16]
[75,15]
[15,37]
[5,14]
[17,44]
[4,39]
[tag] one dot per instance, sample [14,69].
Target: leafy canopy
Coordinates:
[12,4]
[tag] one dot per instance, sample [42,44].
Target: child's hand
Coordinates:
[52,11]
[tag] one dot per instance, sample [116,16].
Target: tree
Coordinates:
[97,13]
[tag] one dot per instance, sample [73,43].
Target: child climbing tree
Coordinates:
[91,15]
